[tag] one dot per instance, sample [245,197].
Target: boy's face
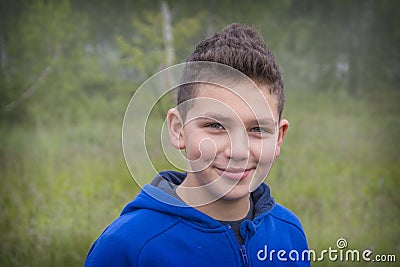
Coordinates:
[231,138]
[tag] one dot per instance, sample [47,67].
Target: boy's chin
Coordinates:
[237,193]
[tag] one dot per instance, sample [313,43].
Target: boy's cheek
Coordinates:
[265,150]
[265,155]
[260,174]
[201,153]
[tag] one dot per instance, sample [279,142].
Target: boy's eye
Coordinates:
[260,130]
[216,126]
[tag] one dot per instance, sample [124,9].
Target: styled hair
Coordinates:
[242,48]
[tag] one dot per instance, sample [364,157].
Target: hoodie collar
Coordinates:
[169,180]
[161,196]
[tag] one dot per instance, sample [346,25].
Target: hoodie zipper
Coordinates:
[243,252]
[242,249]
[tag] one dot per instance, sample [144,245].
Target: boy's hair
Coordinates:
[240,47]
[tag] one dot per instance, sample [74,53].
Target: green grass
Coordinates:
[339,170]
[59,189]
[63,183]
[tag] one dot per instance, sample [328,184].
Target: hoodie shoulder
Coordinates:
[284,215]
[122,242]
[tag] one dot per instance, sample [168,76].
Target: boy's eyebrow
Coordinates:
[215,116]
[220,118]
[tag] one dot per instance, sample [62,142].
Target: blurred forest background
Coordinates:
[68,69]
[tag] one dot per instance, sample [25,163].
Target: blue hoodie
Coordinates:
[158,229]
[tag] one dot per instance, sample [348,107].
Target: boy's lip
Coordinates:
[233,173]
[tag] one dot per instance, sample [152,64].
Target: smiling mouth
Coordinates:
[233,173]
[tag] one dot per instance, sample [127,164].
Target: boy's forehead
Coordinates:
[238,97]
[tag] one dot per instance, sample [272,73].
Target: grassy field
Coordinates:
[339,171]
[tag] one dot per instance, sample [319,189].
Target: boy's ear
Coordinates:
[283,127]
[175,128]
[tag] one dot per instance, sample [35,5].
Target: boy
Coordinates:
[219,213]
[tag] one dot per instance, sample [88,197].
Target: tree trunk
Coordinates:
[353,66]
[169,55]
[3,53]
[167,34]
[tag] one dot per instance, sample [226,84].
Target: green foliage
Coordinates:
[53,181]
[188,31]
[339,151]
[144,49]
[70,68]
[36,38]
[338,171]
[349,44]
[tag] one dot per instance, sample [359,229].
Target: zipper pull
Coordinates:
[243,252]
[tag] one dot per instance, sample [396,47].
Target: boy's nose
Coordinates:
[237,148]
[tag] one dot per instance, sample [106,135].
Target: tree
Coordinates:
[32,47]
[347,44]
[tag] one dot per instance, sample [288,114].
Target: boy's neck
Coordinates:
[227,210]
[221,209]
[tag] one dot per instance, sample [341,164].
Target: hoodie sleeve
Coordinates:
[108,251]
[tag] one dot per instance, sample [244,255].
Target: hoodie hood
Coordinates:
[161,196]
